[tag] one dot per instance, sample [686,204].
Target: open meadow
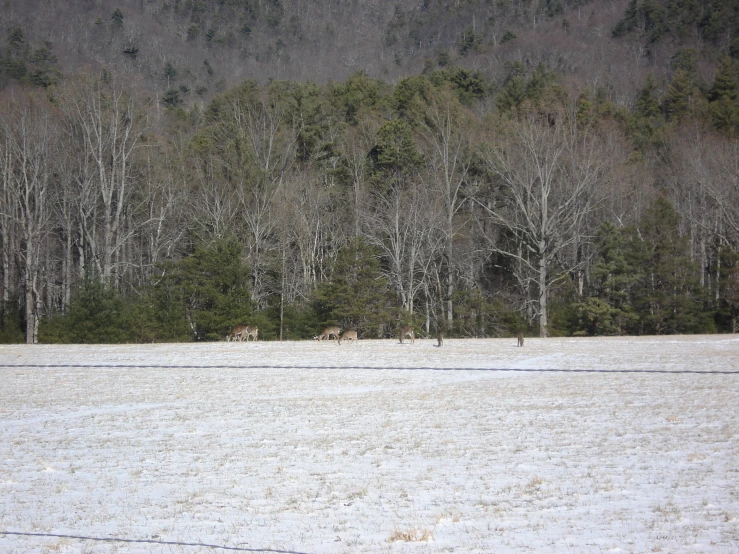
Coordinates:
[562,446]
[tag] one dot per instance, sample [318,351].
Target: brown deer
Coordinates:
[439,337]
[250,331]
[327,332]
[236,332]
[243,332]
[520,338]
[350,335]
[407,331]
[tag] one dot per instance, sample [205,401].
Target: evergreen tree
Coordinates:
[678,98]
[609,310]
[117,18]
[723,95]
[724,85]
[668,297]
[213,287]
[628,22]
[96,315]
[358,296]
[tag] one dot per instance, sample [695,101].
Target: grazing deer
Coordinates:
[236,332]
[407,332]
[243,332]
[440,337]
[250,331]
[520,338]
[350,335]
[327,332]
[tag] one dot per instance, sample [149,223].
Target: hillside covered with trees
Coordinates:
[169,169]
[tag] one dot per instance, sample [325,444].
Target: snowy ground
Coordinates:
[629,445]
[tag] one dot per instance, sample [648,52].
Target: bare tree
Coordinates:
[546,170]
[265,129]
[109,122]
[703,170]
[29,134]
[445,130]
[356,145]
[407,226]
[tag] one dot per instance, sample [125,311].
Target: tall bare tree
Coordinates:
[445,129]
[109,122]
[546,174]
[29,134]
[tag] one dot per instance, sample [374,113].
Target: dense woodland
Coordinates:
[170,169]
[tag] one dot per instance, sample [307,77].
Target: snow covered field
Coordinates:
[565,445]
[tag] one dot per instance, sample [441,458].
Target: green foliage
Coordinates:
[158,315]
[395,156]
[628,22]
[12,328]
[643,282]
[171,98]
[679,19]
[722,97]
[409,91]
[470,85]
[213,287]
[685,59]
[468,42]
[358,296]
[725,83]
[193,31]
[475,315]
[508,37]
[170,73]
[679,96]
[117,18]
[646,123]
[443,59]
[359,94]
[728,315]
[16,39]
[734,49]
[667,296]
[518,90]
[97,314]
[615,275]
[27,65]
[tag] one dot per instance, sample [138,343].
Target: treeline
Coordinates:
[445,200]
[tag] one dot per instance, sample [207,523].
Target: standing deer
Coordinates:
[243,332]
[440,337]
[520,338]
[251,331]
[327,332]
[350,335]
[407,332]
[236,332]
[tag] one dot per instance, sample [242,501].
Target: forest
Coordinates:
[477,200]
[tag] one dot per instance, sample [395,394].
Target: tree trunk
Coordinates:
[543,293]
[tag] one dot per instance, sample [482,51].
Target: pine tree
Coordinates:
[723,94]
[679,95]
[724,85]
[668,297]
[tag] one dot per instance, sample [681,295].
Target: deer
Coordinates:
[327,332]
[243,332]
[520,338]
[236,332]
[407,331]
[439,337]
[350,335]
[250,331]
